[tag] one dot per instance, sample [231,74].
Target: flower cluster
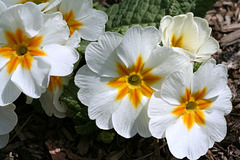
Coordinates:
[133,84]
[130,82]
[37,51]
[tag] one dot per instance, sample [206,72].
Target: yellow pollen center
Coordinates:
[135,80]
[191,105]
[21,49]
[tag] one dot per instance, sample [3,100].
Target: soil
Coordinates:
[39,137]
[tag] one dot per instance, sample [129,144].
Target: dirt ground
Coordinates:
[39,137]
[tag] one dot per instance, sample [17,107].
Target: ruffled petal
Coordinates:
[138,41]
[61,58]
[4,140]
[163,61]
[97,95]
[54,29]
[211,76]
[187,143]
[93,25]
[8,118]
[125,117]
[101,57]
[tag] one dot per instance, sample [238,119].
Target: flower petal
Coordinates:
[74,40]
[32,82]
[9,92]
[8,118]
[93,25]
[159,112]
[27,17]
[211,76]
[138,41]
[125,117]
[54,29]
[222,103]
[215,126]
[3,7]
[101,57]
[187,143]
[163,61]
[97,95]
[143,123]
[4,140]
[61,59]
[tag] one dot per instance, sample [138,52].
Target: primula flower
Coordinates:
[121,74]
[8,120]
[50,99]
[3,7]
[188,35]
[31,50]
[189,110]
[81,17]
[44,5]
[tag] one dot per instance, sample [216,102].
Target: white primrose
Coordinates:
[8,120]
[188,35]
[81,17]
[31,51]
[189,109]
[121,74]
[44,5]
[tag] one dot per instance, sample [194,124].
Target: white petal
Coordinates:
[4,140]
[125,117]
[8,118]
[99,97]
[61,59]
[165,22]
[51,4]
[222,103]
[74,40]
[93,25]
[10,3]
[3,7]
[138,41]
[47,101]
[163,61]
[27,17]
[215,126]
[211,76]
[209,47]
[9,92]
[101,57]
[143,123]
[182,142]
[54,29]
[26,81]
[160,115]
[80,9]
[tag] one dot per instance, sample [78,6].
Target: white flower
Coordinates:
[31,50]
[3,7]
[8,120]
[121,74]
[188,35]
[81,17]
[189,110]
[50,99]
[44,5]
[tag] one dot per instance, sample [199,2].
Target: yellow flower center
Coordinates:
[71,22]
[134,81]
[191,108]
[20,50]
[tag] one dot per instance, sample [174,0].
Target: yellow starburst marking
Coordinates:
[176,42]
[191,108]
[20,50]
[134,81]
[71,22]
[55,81]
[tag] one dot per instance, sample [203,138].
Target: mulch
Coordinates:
[39,137]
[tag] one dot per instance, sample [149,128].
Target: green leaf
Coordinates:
[106,136]
[149,12]
[196,66]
